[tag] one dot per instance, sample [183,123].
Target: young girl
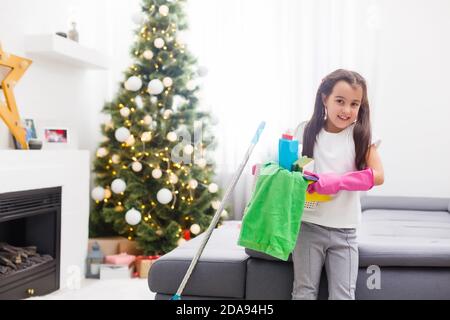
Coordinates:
[339,139]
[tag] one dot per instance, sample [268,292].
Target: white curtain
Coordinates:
[266,60]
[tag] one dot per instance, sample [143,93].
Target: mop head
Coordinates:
[176,297]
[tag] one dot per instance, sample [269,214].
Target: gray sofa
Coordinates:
[406,239]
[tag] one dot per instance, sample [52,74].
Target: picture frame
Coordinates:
[30,128]
[56,135]
[31,132]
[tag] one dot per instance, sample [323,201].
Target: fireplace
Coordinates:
[30,228]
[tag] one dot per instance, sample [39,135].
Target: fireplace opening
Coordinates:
[30,227]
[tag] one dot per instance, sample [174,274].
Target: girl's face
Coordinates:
[342,106]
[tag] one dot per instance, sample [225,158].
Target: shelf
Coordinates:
[63,50]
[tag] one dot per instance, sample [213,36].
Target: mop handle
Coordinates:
[216,217]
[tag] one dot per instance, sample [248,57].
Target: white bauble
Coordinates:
[102,152]
[155,87]
[136,166]
[138,101]
[115,159]
[195,229]
[173,178]
[125,112]
[213,188]
[130,141]
[164,10]
[181,241]
[146,137]
[138,18]
[133,84]
[122,134]
[148,54]
[168,82]
[154,125]
[148,120]
[98,194]
[118,186]
[172,136]
[164,196]
[215,204]
[154,100]
[193,184]
[189,149]
[133,217]
[156,173]
[159,43]
[224,214]
[191,85]
[167,113]
[203,71]
[201,163]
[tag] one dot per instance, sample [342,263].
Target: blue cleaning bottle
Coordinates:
[287,151]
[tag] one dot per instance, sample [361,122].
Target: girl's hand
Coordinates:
[332,183]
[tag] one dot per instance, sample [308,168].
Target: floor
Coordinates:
[130,289]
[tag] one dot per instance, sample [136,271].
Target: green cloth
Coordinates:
[272,219]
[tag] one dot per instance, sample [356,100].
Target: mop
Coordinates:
[216,217]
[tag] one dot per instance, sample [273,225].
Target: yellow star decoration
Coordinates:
[16,67]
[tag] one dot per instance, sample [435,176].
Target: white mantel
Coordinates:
[27,170]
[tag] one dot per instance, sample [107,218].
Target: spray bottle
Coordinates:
[287,151]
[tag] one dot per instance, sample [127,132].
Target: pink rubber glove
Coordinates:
[331,183]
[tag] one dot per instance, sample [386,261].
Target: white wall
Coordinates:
[412,111]
[57,94]
[402,51]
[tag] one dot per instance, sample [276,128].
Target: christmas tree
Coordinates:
[153,175]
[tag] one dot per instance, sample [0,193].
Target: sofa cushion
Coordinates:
[405,238]
[220,271]
[390,237]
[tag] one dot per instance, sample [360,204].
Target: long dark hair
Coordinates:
[362,134]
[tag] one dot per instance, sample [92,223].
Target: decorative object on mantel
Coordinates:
[73,33]
[35,144]
[31,136]
[62,34]
[16,67]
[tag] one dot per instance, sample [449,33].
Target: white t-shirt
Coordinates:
[335,152]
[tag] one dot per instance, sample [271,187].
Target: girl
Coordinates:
[339,139]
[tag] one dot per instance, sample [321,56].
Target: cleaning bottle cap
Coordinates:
[288,135]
